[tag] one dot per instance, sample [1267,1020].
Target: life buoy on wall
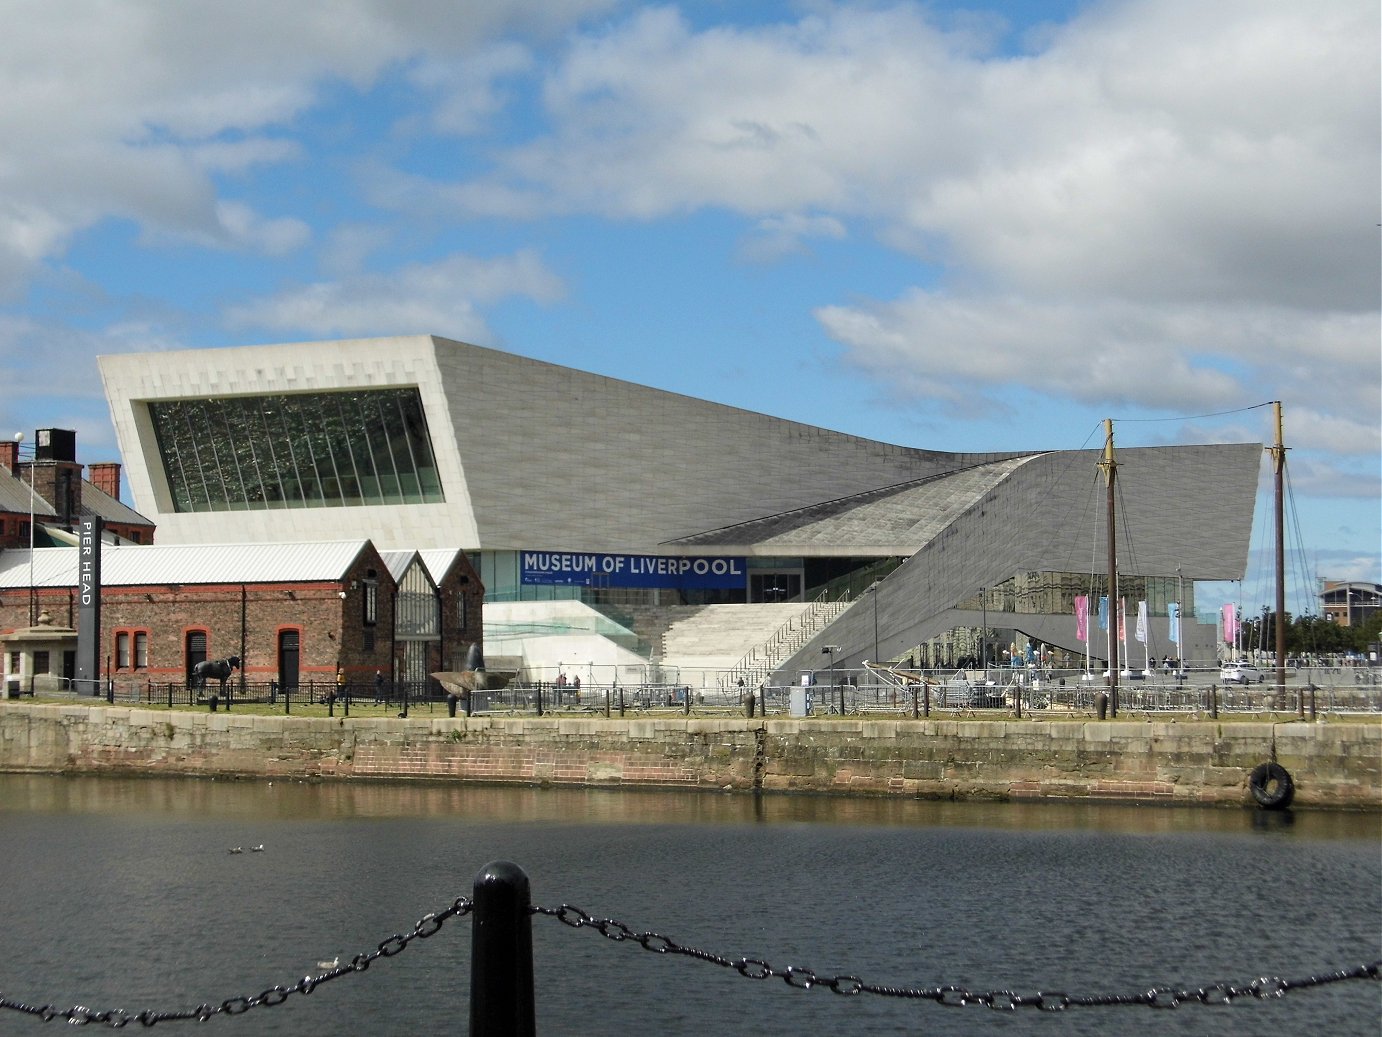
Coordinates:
[1271,786]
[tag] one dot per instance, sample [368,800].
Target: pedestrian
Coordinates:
[378,686]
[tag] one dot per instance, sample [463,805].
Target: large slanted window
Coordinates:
[297,450]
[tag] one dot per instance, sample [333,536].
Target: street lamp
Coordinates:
[830,650]
[874,588]
[18,441]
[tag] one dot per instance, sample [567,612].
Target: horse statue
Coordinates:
[217,668]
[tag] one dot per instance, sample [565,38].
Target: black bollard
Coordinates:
[1214,701]
[748,705]
[501,954]
[451,704]
[1101,704]
[621,702]
[331,704]
[213,701]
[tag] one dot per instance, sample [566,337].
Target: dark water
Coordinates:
[119,893]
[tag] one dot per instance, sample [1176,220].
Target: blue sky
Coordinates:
[981,226]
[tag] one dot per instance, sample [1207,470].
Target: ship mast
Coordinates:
[1110,469]
[1278,453]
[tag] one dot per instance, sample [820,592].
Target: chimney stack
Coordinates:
[105,476]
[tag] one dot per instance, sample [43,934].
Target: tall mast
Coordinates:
[1278,452]
[1110,470]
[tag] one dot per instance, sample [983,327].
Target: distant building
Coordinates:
[1349,602]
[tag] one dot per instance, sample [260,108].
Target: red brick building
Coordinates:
[49,485]
[295,614]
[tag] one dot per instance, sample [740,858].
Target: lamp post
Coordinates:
[830,651]
[874,588]
[18,442]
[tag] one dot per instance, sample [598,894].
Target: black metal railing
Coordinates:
[503,996]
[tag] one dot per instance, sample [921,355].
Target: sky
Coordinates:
[957,226]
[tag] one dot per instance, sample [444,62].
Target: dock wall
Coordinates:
[1333,764]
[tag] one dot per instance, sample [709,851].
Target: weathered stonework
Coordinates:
[1333,764]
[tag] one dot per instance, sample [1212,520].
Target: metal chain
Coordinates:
[1265,988]
[79,1015]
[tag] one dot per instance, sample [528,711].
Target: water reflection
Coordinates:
[286,800]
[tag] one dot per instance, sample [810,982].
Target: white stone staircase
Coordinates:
[802,625]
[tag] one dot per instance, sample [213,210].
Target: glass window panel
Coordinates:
[296,450]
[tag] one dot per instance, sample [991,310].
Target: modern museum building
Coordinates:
[560,484]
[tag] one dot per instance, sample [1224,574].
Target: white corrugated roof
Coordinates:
[397,563]
[135,564]
[439,561]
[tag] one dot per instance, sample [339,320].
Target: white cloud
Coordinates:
[1167,357]
[1167,149]
[422,298]
[127,109]
[1168,203]
[246,227]
[778,236]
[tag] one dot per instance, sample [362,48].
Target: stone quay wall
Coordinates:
[1333,764]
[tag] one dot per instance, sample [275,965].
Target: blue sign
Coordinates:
[603,570]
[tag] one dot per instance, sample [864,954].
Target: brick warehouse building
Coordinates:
[296,614]
[50,486]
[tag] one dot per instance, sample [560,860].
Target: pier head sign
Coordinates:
[607,570]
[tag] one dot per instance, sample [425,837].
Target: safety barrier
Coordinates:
[502,993]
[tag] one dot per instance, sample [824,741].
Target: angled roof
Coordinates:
[439,561]
[137,564]
[893,520]
[15,497]
[528,454]
[95,501]
[397,562]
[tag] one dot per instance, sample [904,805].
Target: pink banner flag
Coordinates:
[1230,624]
[1122,620]
[1081,617]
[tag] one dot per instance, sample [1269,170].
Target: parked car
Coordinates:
[1240,673]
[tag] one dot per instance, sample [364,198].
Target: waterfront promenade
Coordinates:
[1335,762]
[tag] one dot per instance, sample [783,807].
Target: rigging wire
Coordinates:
[1195,417]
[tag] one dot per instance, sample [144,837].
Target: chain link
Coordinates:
[117,1018]
[1265,988]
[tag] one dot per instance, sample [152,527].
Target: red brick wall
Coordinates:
[328,615]
[105,476]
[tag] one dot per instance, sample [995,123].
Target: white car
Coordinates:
[1240,673]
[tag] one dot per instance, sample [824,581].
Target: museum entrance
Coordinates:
[775,586]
